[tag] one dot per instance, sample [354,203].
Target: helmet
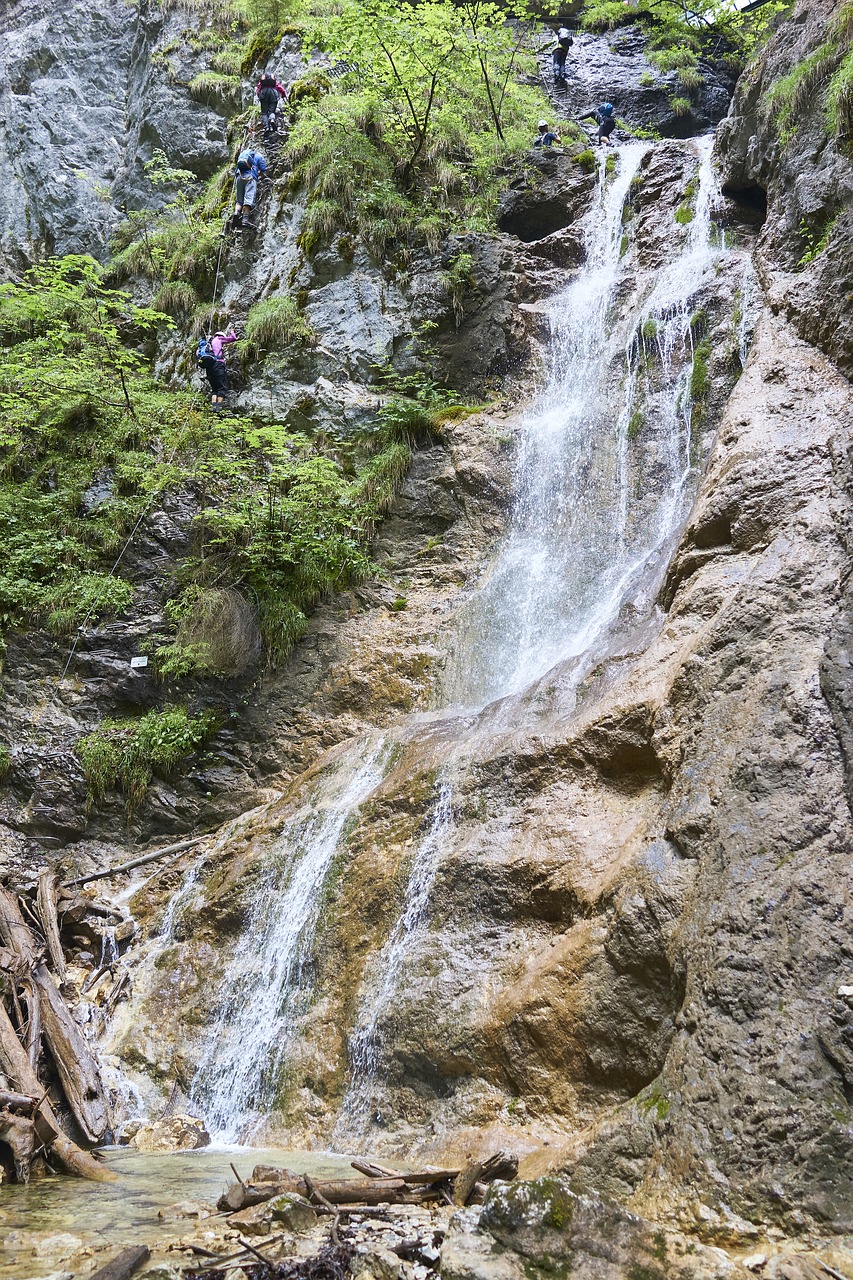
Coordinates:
[219,333]
[543,124]
[607,109]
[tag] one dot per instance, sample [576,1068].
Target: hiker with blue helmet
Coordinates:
[558,56]
[605,119]
[251,165]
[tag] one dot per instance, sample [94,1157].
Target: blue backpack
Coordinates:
[204,353]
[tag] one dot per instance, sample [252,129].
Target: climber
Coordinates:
[269,93]
[546,136]
[605,119]
[558,57]
[251,166]
[211,359]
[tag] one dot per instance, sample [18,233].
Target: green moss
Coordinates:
[680,106]
[699,322]
[636,423]
[647,80]
[587,160]
[649,329]
[700,381]
[610,163]
[684,214]
[5,761]
[623,245]
[216,89]
[652,1100]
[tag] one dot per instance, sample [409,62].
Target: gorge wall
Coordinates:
[634,928]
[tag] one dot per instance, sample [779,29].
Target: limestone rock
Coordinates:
[173,1133]
[533,1229]
[293,1212]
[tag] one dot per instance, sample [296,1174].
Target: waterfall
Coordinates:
[579,537]
[389,966]
[576,540]
[605,462]
[268,981]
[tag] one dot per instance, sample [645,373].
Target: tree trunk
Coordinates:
[75,1062]
[46,904]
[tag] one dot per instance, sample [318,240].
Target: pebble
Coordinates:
[755,1261]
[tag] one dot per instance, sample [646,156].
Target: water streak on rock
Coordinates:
[268,980]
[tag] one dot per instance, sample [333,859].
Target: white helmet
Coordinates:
[543,124]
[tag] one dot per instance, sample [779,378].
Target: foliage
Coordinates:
[829,68]
[815,243]
[587,161]
[684,215]
[680,106]
[273,323]
[125,754]
[214,88]
[5,761]
[72,395]
[636,423]
[412,143]
[697,25]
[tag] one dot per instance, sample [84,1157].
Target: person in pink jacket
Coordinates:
[269,93]
[216,371]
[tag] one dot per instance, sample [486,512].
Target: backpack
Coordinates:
[204,353]
[564,38]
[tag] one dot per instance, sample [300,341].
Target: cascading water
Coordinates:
[389,965]
[579,537]
[267,982]
[576,538]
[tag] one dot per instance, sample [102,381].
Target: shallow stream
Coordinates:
[137,1209]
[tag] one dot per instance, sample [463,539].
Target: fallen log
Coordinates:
[16,1066]
[362,1190]
[245,1195]
[374,1170]
[46,907]
[179,847]
[75,1062]
[499,1165]
[124,1264]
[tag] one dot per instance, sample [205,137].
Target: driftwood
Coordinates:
[500,1165]
[17,1101]
[46,907]
[75,1062]
[16,1066]
[19,1135]
[20,1049]
[356,1195]
[124,1264]
[179,847]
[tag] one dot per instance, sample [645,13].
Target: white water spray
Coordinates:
[268,982]
[389,967]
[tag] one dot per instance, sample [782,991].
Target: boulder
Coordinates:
[293,1212]
[173,1133]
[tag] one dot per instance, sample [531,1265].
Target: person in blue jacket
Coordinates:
[250,167]
[605,119]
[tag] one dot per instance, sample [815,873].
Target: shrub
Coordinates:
[684,214]
[587,161]
[680,106]
[273,323]
[176,297]
[125,754]
[215,89]
[217,633]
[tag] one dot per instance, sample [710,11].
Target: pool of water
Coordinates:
[126,1211]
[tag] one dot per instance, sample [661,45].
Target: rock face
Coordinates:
[630,961]
[535,1228]
[82,108]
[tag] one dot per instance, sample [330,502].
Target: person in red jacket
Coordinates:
[269,93]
